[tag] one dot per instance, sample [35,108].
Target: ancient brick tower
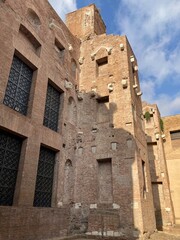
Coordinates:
[112,171]
[73,149]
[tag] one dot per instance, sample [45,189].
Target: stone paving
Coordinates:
[155,236]
[164,236]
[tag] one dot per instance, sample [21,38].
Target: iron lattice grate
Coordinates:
[18,87]
[10,149]
[51,114]
[44,181]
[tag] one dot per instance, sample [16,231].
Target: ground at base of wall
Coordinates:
[155,236]
[164,236]
[171,234]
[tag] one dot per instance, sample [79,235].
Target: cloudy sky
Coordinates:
[153,30]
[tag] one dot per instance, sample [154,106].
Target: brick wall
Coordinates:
[99,142]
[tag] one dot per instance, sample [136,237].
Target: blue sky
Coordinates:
[153,30]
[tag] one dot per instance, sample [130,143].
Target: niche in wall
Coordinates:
[33,17]
[102,66]
[28,40]
[68,182]
[105,181]
[103,114]
[72,111]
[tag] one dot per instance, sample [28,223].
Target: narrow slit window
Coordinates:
[144,179]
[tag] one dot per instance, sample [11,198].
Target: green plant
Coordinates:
[147,116]
[161,125]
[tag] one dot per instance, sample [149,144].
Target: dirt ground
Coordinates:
[164,236]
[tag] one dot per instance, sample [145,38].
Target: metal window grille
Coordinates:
[44,180]
[18,87]
[51,114]
[10,149]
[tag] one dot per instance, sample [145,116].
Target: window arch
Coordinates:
[33,17]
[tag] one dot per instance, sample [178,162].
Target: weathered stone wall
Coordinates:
[102,180]
[85,22]
[172,152]
[158,167]
[30,223]
[111,132]
[31,30]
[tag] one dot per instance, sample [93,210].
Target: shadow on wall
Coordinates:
[157,186]
[102,180]
[109,177]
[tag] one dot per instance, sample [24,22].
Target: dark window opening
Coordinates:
[102,61]
[18,87]
[102,66]
[144,178]
[51,115]
[157,182]
[175,135]
[44,180]
[10,150]
[59,48]
[104,99]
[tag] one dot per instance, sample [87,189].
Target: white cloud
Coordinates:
[168,104]
[148,90]
[63,7]
[153,30]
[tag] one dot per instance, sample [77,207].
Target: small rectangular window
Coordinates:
[104,99]
[175,138]
[175,135]
[44,180]
[102,64]
[102,61]
[59,48]
[18,87]
[10,150]
[51,115]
